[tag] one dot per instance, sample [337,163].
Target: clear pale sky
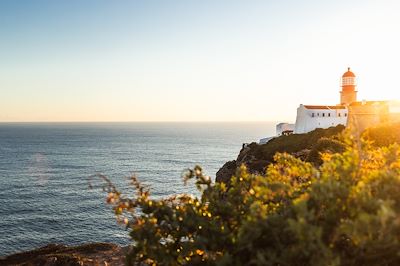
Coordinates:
[191,60]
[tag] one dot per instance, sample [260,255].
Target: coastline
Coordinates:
[56,254]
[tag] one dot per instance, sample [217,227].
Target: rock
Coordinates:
[55,254]
[253,164]
[225,173]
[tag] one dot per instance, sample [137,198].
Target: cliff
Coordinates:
[305,146]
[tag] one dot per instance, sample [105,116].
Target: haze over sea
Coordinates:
[44,170]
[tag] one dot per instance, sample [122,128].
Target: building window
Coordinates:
[317,114]
[312,114]
[329,114]
[339,114]
[323,114]
[345,114]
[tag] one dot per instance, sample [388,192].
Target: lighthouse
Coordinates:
[349,113]
[348,94]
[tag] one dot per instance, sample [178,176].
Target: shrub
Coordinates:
[345,212]
[384,134]
[293,143]
[324,145]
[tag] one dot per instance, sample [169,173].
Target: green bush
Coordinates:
[345,212]
[324,145]
[293,143]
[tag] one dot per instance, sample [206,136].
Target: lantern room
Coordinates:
[348,94]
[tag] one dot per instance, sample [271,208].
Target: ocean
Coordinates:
[44,170]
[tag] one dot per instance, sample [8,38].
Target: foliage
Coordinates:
[345,212]
[324,145]
[384,134]
[295,144]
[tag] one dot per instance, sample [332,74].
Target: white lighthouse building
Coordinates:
[349,112]
[310,117]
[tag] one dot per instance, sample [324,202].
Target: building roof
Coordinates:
[325,107]
[349,74]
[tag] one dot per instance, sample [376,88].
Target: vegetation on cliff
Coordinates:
[344,212]
[383,135]
[293,143]
[304,146]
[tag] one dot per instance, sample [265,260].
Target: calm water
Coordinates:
[44,171]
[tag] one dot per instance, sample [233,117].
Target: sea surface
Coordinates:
[44,170]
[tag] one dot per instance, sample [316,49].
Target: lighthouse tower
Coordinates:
[348,94]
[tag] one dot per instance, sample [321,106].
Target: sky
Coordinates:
[210,60]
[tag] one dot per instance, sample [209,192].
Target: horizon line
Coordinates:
[140,121]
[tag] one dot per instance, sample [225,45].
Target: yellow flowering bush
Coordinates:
[345,212]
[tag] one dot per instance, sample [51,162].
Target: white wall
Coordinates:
[323,118]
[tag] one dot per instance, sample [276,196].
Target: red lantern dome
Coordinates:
[348,74]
